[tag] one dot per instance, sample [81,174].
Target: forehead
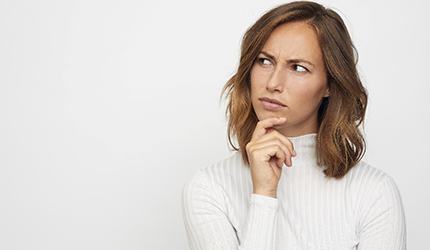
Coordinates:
[294,40]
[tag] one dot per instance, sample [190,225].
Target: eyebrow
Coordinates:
[293,60]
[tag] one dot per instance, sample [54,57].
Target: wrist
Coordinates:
[266,193]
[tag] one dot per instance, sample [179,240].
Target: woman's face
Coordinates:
[290,69]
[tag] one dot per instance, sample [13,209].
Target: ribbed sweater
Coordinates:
[362,210]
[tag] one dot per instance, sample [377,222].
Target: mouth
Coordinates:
[272,104]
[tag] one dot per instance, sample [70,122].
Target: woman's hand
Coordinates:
[267,151]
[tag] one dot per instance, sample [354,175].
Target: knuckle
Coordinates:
[284,148]
[259,123]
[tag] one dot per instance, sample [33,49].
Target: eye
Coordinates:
[261,60]
[300,68]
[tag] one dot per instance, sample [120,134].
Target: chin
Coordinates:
[264,114]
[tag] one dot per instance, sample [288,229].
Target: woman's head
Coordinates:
[290,69]
[301,54]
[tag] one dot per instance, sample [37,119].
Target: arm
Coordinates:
[382,223]
[208,227]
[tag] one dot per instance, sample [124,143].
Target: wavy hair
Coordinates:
[339,143]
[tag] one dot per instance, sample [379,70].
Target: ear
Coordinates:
[327,93]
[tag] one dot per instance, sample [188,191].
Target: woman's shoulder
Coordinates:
[364,169]
[367,178]
[220,173]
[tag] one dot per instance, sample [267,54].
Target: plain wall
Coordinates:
[108,107]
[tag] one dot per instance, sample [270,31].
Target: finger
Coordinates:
[275,165]
[280,154]
[275,168]
[263,125]
[287,142]
[269,153]
[280,163]
[272,142]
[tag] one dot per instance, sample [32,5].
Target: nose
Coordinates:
[276,80]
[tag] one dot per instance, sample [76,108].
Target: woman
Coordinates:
[297,180]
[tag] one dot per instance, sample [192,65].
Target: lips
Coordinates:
[272,105]
[266,99]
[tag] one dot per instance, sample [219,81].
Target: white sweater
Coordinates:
[363,210]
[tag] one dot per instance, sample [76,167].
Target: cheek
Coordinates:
[258,80]
[258,77]
[307,93]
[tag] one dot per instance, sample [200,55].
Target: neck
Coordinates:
[304,145]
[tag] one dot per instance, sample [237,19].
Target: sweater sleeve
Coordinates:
[382,223]
[207,224]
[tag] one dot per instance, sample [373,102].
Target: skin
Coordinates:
[299,85]
[290,83]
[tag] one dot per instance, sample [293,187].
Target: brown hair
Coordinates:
[339,142]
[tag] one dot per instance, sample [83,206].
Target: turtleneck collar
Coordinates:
[304,145]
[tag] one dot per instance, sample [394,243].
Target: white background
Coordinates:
[108,107]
